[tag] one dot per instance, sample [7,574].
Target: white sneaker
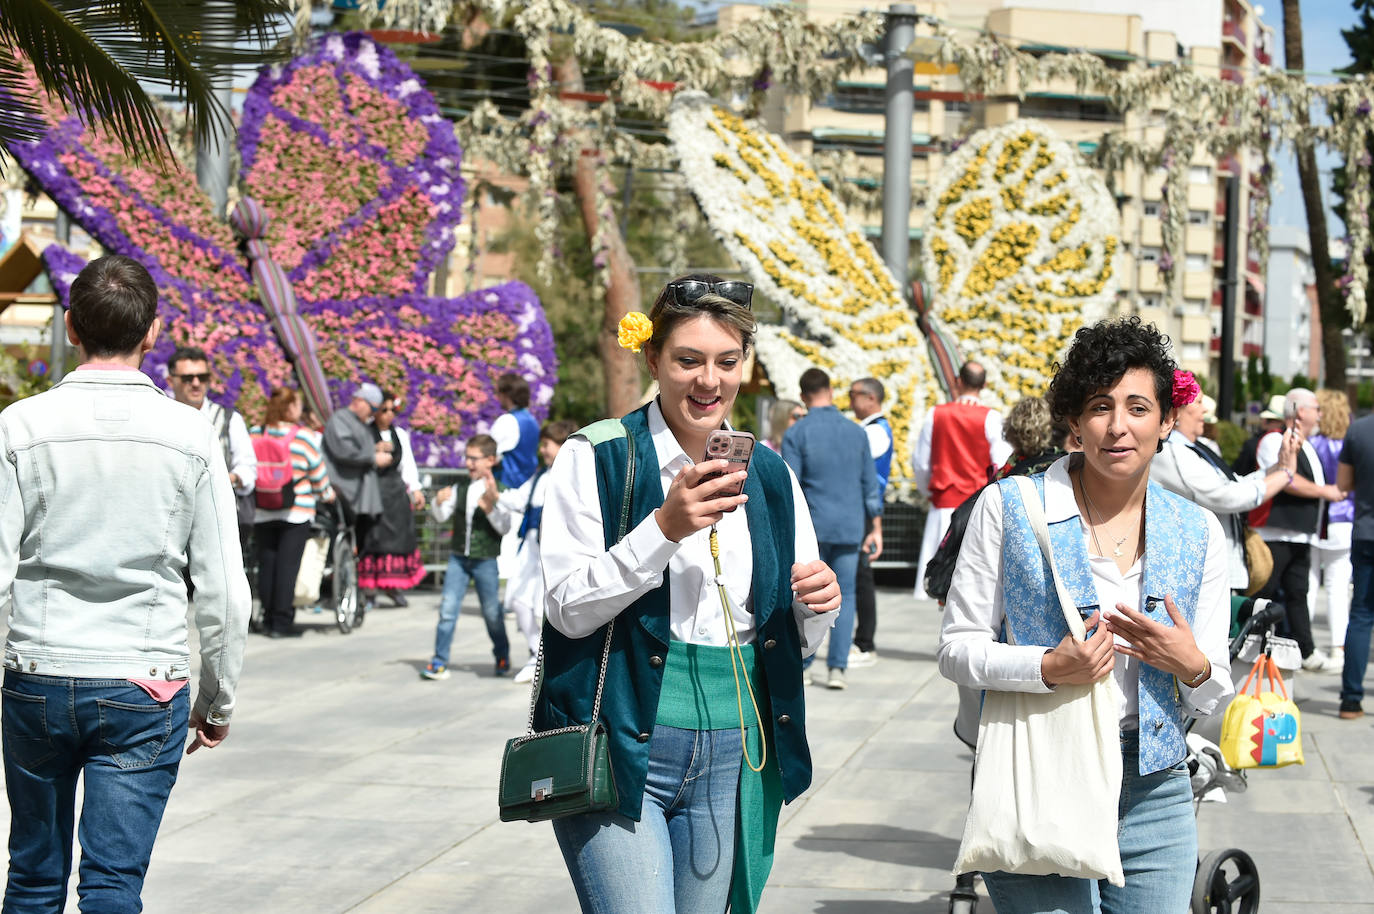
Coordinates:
[861,658]
[1319,662]
[835,680]
[526,673]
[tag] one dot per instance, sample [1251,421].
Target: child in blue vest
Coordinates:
[525,586]
[479,522]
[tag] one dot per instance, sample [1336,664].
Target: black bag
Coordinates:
[564,772]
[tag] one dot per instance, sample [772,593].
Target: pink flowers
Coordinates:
[1186,388]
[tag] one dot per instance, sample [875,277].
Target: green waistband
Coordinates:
[699,690]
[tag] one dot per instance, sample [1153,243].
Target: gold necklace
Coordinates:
[1092,528]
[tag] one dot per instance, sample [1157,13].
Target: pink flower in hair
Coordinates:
[1186,388]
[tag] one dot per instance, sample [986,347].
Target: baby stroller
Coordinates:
[1227,881]
[338,588]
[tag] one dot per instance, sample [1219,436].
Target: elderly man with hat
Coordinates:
[354,456]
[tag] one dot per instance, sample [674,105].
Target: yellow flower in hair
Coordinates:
[634,331]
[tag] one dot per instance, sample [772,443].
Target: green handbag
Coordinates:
[564,772]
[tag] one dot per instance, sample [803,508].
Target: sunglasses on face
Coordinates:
[202,378]
[686,292]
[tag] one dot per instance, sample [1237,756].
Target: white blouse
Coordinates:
[971,655]
[589,585]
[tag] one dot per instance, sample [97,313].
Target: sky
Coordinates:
[1323,51]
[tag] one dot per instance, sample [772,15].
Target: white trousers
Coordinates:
[937,522]
[1331,566]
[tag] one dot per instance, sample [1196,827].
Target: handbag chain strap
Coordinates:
[625,506]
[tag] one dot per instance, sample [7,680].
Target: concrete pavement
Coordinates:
[349,784]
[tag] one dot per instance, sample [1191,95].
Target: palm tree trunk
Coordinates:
[1329,300]
[619,367]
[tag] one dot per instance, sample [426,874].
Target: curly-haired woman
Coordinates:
[1148,572]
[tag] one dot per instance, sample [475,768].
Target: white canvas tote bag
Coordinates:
[1047,771]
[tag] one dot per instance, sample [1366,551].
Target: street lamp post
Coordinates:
[898,109]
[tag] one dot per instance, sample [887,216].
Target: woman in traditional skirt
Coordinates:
[389,560]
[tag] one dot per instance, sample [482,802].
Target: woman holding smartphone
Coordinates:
[1148,571]
[716,599]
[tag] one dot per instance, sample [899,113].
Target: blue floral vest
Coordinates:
[1175,549]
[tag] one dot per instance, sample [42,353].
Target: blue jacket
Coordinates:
[639,643]
[1175,551]
[520,462]
[830,455]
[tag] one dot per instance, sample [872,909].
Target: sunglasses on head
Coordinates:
[686,292]
[203,377]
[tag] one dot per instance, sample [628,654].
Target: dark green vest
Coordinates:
[634,671]
[486,542]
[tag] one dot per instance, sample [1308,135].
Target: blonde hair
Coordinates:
[1027,427]
[666,313]
[1335,418]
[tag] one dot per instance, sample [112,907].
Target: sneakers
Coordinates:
[526,673]
[434,670]
[502,666]
[861,658]
[1319,662]
[1351,710]
[836,679]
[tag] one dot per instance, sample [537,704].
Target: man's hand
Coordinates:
[417,500]
[693,503]
[873,545]
[815,585]
[383,459]
[207,735]
[234,480]
[1075,662]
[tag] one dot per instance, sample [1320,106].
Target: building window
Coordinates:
[1200,174]
[1150,301]
[1196,263]
[1199,217]
[1150,208]
[1193,352]
[1149,255]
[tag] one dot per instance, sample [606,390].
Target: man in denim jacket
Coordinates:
[109,494]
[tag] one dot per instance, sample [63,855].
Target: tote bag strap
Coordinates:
[625,506]
[1035,513]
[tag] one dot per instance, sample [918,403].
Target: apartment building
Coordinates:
[1217,37]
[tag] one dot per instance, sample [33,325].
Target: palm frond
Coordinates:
[97,55]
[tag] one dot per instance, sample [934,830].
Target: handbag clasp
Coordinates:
[541,789]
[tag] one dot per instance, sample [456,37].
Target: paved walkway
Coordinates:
[349,784]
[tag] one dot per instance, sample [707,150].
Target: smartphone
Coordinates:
[1290,414]
[736,447]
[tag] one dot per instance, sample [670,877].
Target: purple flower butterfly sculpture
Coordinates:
[350,178]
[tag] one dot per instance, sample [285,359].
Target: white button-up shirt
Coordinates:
[588,585]
[971,654]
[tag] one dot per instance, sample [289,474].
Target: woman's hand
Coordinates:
[1169,648]
[1074,662]
[815,585]
[694,503]
[1288,451]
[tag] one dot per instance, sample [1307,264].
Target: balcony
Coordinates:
[1231,30]
[1221,208]
[1262,55]
[1233,74]
[1250,349]
[1216,344]
[1216,298]
[1219,256]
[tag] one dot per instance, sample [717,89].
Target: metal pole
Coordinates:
[1231,263]
[212,155]
[898,108]
[57,358]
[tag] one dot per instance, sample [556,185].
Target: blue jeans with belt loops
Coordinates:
[1157,835]
[679,857]
[126,747]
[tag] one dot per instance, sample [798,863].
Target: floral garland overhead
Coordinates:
[842,310]
[358,253]
[1021,248]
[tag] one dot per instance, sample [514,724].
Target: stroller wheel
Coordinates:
[1227,882]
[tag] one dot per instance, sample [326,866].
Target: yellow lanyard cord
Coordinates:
[736,663]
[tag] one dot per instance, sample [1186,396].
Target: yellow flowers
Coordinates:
[972,220]
[635,329]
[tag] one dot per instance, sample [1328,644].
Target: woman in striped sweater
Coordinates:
[282,534]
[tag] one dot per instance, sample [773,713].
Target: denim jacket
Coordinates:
[109,493]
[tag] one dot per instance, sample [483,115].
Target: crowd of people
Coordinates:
[683,595]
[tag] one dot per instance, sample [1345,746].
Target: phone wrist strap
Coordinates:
[737,663]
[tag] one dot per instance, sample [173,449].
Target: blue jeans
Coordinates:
[1361,620]
[678,858]
[126,747]
[1157,836]
[484,575]
[843,559]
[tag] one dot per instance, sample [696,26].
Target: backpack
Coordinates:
[275,489]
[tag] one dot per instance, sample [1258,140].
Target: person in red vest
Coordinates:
[959,442]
